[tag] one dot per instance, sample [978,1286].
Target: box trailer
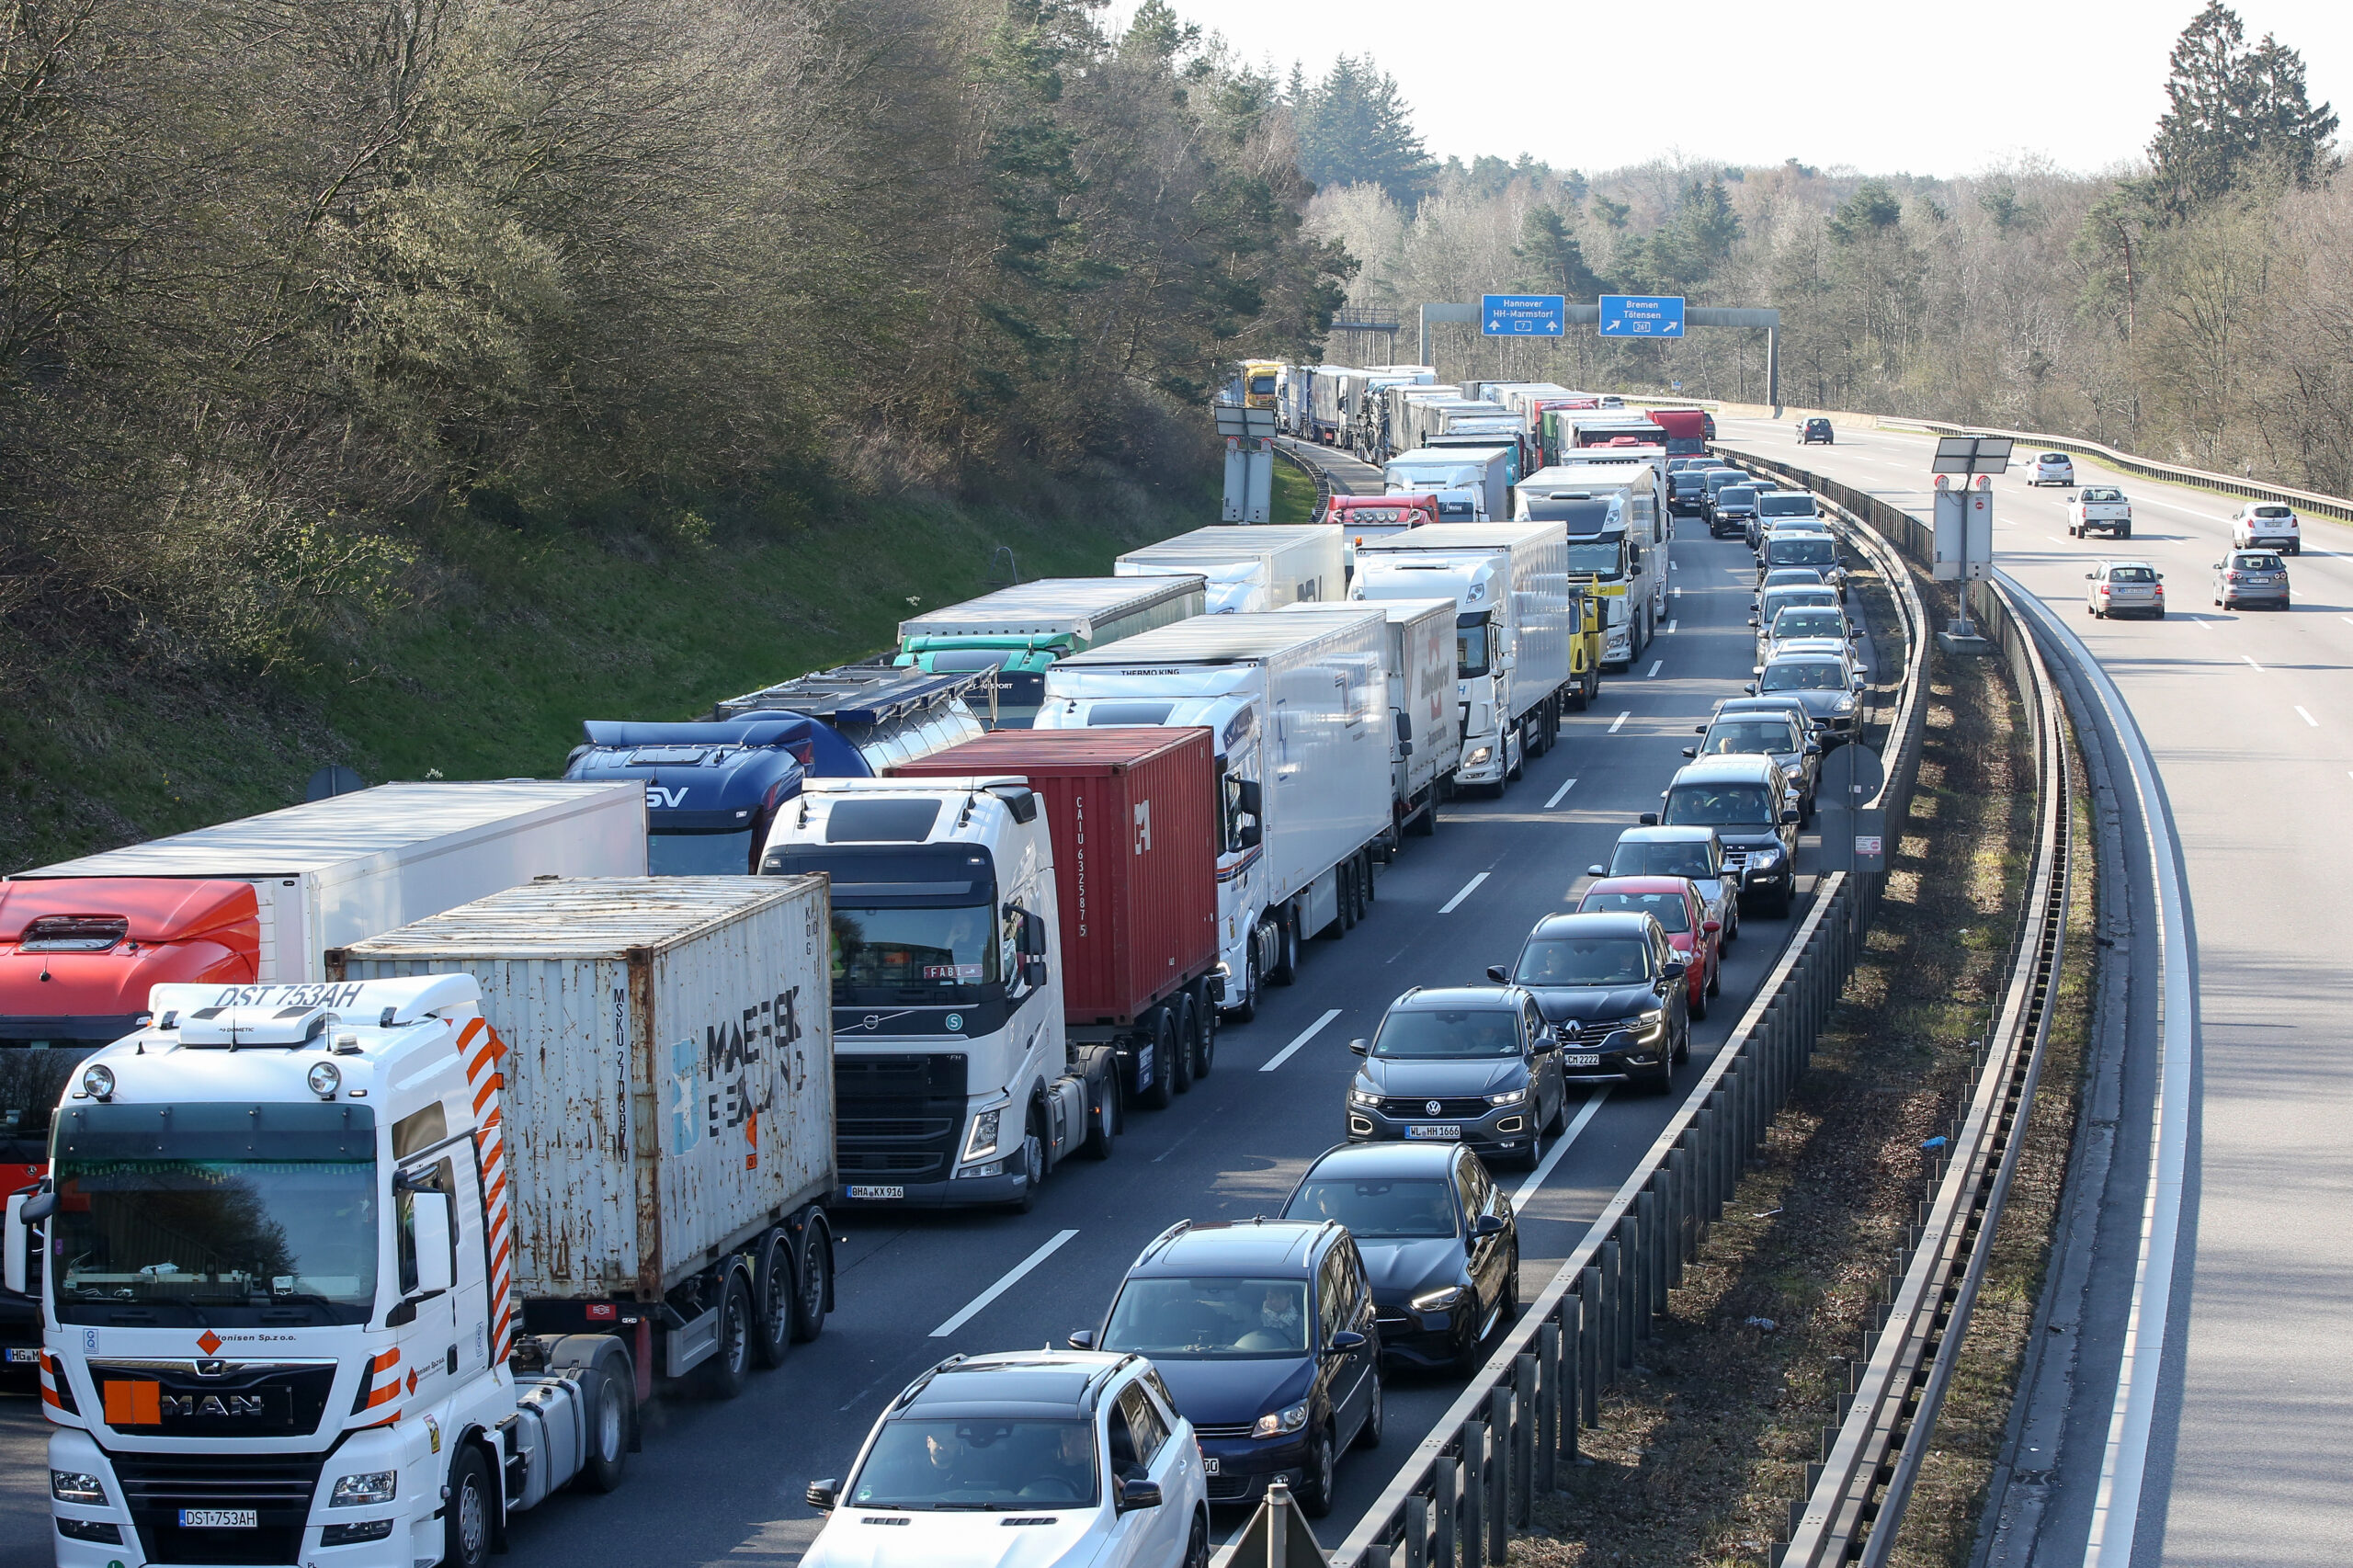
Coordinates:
[1299,709]
[1484,471]
[1426,739]
[1250,566]
[1019,632]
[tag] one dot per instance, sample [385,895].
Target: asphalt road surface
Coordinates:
[2247,713]
[723,1482]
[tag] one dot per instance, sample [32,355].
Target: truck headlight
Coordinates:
[1509,1097]
[1438,1301]
[360,1491]
[981,1142]
[1479,755]
[1653,1025]
[77,1486]
[1275,1423]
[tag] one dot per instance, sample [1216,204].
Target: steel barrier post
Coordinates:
[1417,1531]
[1679,1211]
[1444,1471]
[1473,1543]
[1548,1408]
[1589,1345]
[1502,1419]
[1648,1290]
[1524,1432]
[1612,1310]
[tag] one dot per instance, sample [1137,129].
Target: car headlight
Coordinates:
[1654,1024]
[1437,1301]
[1765,856]
[981,1142]
[1363,1097]
[77,1486]
[358,1491]
[1275,1423]
[1509,1097]
[1846,704]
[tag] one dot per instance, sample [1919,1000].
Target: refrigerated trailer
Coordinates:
[1251,566]
[1427,740]
[1018,633]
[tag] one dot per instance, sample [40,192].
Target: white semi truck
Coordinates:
[1515,619]
[1617,542]
[1485,471]
[1249,567]
[354,1270]
[1298,709]
[1426,745]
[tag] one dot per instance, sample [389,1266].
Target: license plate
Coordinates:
[1446,1130]
[867,1193]
[19,1355]
[1209,1464]
[220,1519]
[1581,1058]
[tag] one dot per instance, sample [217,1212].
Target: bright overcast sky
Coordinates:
[1892,86]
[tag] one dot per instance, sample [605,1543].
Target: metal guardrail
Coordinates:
[1457,1495]
[1870,1461]
[1314,471]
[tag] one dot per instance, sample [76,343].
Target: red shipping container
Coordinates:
[1134,819]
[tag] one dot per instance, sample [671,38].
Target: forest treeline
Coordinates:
[2196,307]
[286,283]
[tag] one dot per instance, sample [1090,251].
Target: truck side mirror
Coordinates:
[17,1269]
[1033,971]
[1033,934]
[1251,834]
[1405,731]
[430,1217]
[1250,796]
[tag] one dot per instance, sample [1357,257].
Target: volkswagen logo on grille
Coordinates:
[1432,1106]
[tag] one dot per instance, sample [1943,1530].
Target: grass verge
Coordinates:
[1702,1446]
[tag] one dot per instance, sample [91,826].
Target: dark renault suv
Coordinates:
[1611,986]
[1754,809]
[1464,1065]
[1265,1333]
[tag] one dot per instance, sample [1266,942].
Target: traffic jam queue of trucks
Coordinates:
[366,1239]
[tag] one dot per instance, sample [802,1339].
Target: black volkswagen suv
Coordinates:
[1754,809]
[1611,985]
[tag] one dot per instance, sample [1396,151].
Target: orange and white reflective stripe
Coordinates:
[49,1376]
[387,1391]
[480,1048]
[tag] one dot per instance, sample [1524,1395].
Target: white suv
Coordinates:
[1082,1452]
[2266,523]
[2052,468]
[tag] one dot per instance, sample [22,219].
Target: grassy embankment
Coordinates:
[504,638]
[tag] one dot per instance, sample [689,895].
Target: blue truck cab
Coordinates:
[713,786]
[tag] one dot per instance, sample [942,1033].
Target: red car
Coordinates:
[1697,940]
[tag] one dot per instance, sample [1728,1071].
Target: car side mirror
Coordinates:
[1814,748]
[1750,688]
[821,1494]
[1083,1340]
[1137,1492]
[1690,750]
[2161,576]
[1789,817]
[2089,576]
[1359,1047]
[1712,926]
[1347,1342]
[1752,620]
[1698,729]
[1488,1225]
[1650,819]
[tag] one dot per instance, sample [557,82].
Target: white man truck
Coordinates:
[1482,475]
[1426,744]
[1514,618]
[346,1271]
[1297,707]
[1249,567]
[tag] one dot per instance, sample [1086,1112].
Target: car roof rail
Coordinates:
[1161,1239]
[913,1389]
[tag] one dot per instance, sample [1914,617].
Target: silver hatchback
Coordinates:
[2251,577]
[2125,587]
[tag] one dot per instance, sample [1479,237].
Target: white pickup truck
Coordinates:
[2101,506]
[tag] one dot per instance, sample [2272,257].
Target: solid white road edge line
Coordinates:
[1543,1172]
[1310,1033]
[1621,718]
[1468,889]
[1011,1277]
[1563,790]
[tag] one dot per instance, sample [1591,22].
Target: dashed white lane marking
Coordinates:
[1011,1277]
[1558,793]
[1468,889]
[2250,661]
[1652,674]
[1621,718]
[1670,627]
[1310,1033]
[2308,717]
[1537,1177]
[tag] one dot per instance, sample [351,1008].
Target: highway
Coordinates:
[723,1482]
[2246,715]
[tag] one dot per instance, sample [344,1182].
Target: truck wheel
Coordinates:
[729,1366]
[772,1294]
[465,1518]
[812,1281]
[1103,1122]
[1285,968]
[1157,1094]
[1247,1008]
[609,1420]
[1204,1032]
[1180,1043]
[1518,769]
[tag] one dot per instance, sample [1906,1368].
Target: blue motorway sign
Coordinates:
[1641,315]
[1522,315]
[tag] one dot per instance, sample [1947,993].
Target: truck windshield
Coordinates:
[913,949]
[1601,558]
[978,1462]
[215,1213]
[1470,643]
[698,854]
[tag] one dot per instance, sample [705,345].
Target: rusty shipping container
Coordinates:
[1135,818]
[668,1064]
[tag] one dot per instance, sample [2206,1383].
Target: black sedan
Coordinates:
[1610,985]
[1438,1238]
[1464,1065]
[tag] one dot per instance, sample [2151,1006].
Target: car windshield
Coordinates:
[1650,857]
[1746,738]
[1584,960]
[1686,481]
[1672,911]
[1736,495]
[1716,805]
[1377,1208]
[914,947]
[1426,1033]
[216,1213]
[700,854]
[1215,1317]
[2256,562]
[1785,505]
[1809,623]
[1807,674]
[1801,549]
[977,1462]
[2131,574]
